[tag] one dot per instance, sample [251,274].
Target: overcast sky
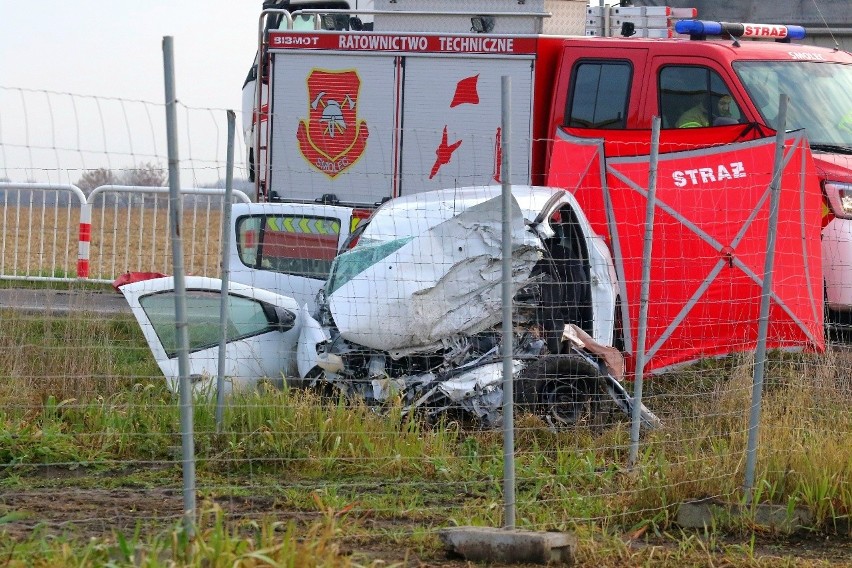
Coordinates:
[113,49]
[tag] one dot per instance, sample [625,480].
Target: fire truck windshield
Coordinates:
[820,97]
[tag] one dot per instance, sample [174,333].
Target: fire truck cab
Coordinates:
[414,103]
[703,83]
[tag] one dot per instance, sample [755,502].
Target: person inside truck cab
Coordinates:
[693,96]
[846,122]
[697,115]
[724,109]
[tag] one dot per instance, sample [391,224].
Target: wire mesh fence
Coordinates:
[370,418]
[64,153]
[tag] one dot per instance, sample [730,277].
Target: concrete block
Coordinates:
[701,514]
[709,512]
[509,546]
[778,518]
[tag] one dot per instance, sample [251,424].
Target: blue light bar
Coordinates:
[698,28]
[795,32]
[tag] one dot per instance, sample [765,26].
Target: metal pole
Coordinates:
[763,324]
[508,387]
[176,209]
[226,251]
[647,248]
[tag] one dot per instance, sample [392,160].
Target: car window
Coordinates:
[599,95]
[361,257]
[694,96]
[292,244]
[246,317]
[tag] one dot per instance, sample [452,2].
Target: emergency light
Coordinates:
[701,28]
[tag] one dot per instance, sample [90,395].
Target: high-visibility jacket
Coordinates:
[695,117]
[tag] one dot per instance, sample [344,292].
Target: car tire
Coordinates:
[562,389]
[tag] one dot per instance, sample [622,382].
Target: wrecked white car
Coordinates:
[412,309]
[262,328]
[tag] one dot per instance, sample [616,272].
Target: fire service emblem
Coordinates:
[332,138]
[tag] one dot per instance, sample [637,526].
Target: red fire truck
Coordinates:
[413,104]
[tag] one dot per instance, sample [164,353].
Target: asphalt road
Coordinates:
[62,302]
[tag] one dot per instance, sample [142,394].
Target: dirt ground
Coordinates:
[87,513]
[99,513]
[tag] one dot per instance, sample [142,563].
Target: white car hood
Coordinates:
[444,282]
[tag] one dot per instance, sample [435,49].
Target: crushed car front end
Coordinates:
[412,311]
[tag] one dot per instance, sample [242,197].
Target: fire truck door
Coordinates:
[452,121]
[599,88]
[333,126]
[692,92]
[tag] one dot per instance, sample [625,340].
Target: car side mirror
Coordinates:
[286,319]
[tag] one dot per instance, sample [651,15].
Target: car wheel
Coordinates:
[562,389]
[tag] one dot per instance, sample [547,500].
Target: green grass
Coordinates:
[55,285]
[302,481]
[216,543]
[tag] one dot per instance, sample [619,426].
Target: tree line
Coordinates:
[147,174]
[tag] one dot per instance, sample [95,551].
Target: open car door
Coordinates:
[287,248]
[262,330]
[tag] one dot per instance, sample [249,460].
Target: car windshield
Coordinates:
[820,97]
[358,259]
[391,223]
[390,228]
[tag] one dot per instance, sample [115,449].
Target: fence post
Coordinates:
[176,209]
[647,248]
[226,250]
[766,291]
[508,387]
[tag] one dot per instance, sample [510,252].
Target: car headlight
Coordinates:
[839,198]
